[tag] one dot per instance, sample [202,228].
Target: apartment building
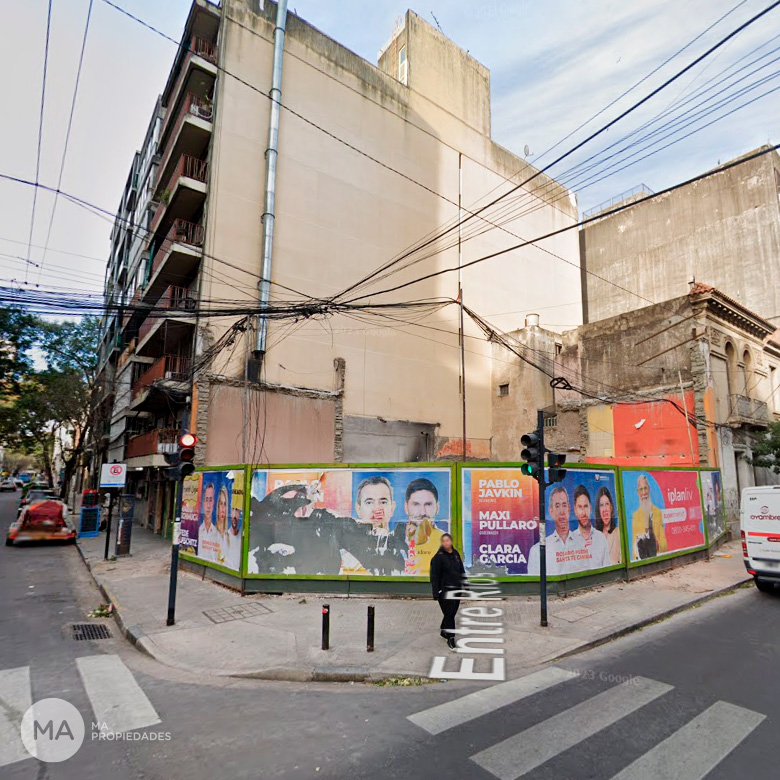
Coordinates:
[370,159]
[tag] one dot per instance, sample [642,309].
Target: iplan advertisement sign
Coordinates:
[663,512]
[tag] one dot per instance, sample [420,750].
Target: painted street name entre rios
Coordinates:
[479,626]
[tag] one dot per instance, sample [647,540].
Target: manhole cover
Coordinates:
[225,614]
[92,631]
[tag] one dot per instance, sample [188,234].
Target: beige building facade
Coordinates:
[392,390]
[373,160]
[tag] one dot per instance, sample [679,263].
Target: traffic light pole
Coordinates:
[542,523]
[175,554]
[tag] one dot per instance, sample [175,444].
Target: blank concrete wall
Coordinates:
[281,428]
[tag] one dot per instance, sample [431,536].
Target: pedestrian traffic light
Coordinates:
[187,442]
[532,454]
[554,471]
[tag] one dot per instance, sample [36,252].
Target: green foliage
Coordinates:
[36,402]
[766,450]
[18,332]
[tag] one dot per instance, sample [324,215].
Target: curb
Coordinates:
[133,634]
[144,644]
[645,622]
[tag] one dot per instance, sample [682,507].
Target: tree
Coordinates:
[766,449]
[18,333]
[47,401]
[35,405]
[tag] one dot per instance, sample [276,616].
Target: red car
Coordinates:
[43,520]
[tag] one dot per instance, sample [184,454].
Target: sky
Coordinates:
[554,65]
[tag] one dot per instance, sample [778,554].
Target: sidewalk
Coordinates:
[218,632]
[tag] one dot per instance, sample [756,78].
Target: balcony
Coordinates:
[171,368]
[748,411]
[188,132]
[176,257]
[198,71]
[173,318]
[181,192]
[152,443]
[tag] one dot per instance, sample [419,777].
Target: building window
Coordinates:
[503,389]
[403,69]
[747,367]
[773,389]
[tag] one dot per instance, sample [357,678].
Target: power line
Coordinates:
[591,137]
[67,139]
[40,129]
[577,225]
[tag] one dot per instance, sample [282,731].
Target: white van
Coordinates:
[759,522]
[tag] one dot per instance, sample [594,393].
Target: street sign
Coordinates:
[113,475]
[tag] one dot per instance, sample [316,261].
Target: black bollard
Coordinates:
[370,631]
[326,626]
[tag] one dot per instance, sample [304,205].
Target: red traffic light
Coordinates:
[188,440]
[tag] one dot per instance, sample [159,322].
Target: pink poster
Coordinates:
[663,512]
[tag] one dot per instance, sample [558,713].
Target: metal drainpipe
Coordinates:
[264,286]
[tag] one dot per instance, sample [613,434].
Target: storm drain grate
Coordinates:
[226,614]
[82,631]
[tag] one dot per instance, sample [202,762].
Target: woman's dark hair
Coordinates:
[447,535]
[603,491]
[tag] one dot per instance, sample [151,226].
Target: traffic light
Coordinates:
[532,454]
[554,471]
[187,442]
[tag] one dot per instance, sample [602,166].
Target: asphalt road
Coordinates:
[693,697]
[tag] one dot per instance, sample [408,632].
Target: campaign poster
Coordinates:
[372,521]
[190,517]
[583,530]
[500,520]
[221,521]
[714,511]
[663,512]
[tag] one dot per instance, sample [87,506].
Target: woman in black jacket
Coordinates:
[447,574]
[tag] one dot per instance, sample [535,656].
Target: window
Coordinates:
[403,70]
[503,389]
[747,368]
[773,389]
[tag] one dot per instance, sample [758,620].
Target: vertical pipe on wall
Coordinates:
[271,154]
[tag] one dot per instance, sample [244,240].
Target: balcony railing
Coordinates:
[189,167]
[174,368]
[181,232]
[152,443]
[193,106]
[745,409]
[175,299]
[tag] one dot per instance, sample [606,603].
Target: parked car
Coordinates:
[19,482]
[35,495]
[44,520]
[8,484]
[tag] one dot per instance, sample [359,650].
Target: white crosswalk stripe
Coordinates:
[454,713]
[15,700]
[693,751]
[117,700]
[690,753]
[518,755]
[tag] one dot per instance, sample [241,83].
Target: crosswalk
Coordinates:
[690,753]
[118,703]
